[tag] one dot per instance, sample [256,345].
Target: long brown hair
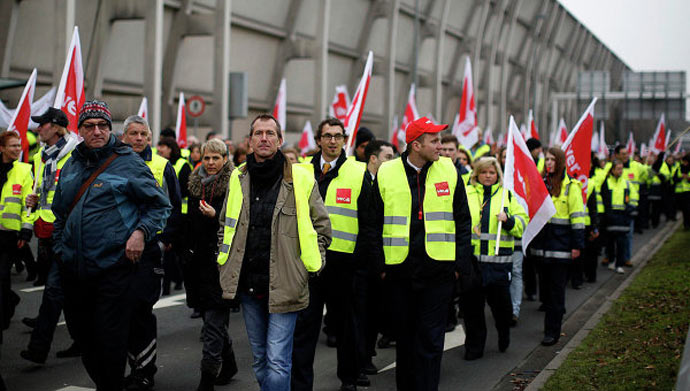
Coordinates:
[554,179]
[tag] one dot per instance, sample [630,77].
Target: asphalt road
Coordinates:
[179,349]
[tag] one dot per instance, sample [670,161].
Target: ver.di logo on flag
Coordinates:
[442,189]
[343,196]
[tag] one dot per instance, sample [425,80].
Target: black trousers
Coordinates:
[529,274]
[217,343]
[368,306]
[615,247]
[684,203]
[8,298]
[419,316]
[100,308]
[553,279]
[656,207]
[49,312]
[590,258]
[142,346]
[44,258]
[642,218]
[336,284]
[473,301]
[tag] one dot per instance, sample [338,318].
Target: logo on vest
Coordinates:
[342,196]
[16,189]
[57,176]
[442,189]
[631,175]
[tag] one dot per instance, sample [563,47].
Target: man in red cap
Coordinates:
[421,214]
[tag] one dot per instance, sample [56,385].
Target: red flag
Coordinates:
[578,148]
[354,114]
[603,150]
[70,94]
[341,103]
[659,139]
[143,109]
[465,123]
[181,126]
[502,140]
[411,112]
[524,180]
[279,108]
[306,142]
[533,132]
[395,133]
[20,120]
[643,150]
[631,145]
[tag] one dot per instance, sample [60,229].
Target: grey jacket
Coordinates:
[288,280]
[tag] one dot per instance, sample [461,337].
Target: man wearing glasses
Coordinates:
[108,208]
[344,191]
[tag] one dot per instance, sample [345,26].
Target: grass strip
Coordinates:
[638,344]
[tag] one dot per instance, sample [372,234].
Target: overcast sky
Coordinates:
[648,35]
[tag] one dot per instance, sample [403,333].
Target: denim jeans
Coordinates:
[270,336]
[516,282]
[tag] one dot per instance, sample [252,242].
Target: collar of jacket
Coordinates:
[93,157]
[287,171]
[316,161]
[409,168]
[146,154]
[194,184]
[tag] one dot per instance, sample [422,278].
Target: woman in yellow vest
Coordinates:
[616,193]
[484,194]
[559,242]
[15,225]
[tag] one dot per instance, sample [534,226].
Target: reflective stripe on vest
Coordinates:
[341,203]
[439,225]
[18,185]
[303,184]
[45,202]
[475,201]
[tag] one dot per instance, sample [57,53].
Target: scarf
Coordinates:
[204,186]
[267,172]
[50,157]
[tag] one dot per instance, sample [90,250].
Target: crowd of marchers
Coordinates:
[396,245]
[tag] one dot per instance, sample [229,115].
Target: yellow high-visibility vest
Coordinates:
[43,209]
[13,198]
[303,184]
[439,225]
[181,162]
[341,203]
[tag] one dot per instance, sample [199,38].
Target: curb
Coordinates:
[640,259]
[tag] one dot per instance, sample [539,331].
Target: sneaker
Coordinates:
[620,270]
[612,266]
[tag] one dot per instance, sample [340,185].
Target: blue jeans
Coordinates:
[270,336]
[516,282]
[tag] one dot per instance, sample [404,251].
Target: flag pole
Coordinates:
[678,137]
[503,197]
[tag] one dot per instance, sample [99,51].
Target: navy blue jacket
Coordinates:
[123,198]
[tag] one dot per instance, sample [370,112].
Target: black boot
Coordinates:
[207,381]
[229,368]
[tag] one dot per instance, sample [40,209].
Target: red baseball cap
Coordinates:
[420,126]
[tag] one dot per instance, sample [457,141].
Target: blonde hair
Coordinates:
[61,130]
[214,145]
[482,164]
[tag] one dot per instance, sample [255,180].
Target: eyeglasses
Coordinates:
[101,125]
[336,137]
[267,133]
